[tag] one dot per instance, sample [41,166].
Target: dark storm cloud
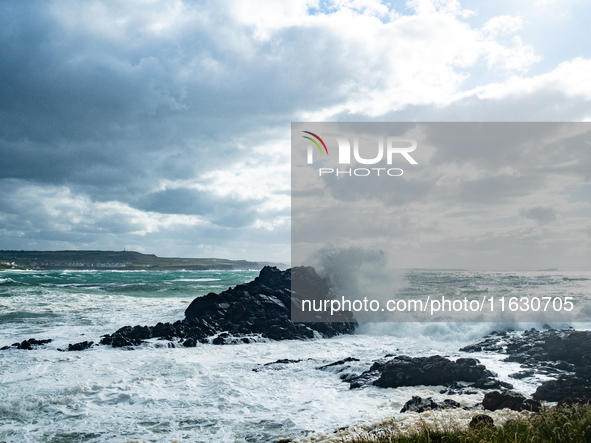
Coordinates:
[223,211]
[91,116]
[112,114]
[110,111]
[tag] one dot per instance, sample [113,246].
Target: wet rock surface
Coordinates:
[30,344]
[79,346]
[418,404]
[564,354]
[245,313]
[509,400]
[338,363]
[564,387]
[412,371]
[456,388]
[277,364]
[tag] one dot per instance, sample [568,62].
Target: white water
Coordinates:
[204,394]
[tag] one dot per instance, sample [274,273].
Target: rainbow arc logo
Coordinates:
[315,142]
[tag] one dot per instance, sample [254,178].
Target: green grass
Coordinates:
[559,425]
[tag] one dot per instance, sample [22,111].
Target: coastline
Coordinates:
[164,391]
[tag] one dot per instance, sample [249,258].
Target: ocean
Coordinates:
[210,393]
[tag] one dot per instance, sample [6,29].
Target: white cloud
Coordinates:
[570,78]
[58,209]
[502,25]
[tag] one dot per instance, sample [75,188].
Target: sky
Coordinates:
[469,195]
[164,126]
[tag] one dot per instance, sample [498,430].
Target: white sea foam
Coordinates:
[207,393]
[210,392]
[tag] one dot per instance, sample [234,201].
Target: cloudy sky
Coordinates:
[164,126]
[481,195]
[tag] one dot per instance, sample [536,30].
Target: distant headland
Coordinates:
[128,260]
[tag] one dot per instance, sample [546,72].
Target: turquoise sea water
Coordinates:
[211,393]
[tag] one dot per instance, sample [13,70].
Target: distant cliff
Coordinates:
[116,260]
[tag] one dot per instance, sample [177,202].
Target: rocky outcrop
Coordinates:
[565,354]
[277,364]
[245,313]
[549,352]
[565,387]
[509,400]
[412,371]
[29,344]
[79,346]
[338,363]
[418,404]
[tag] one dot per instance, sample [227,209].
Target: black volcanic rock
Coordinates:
[409,371]
[553,352]
[418,404]
[277,364]
[434,370]
[510,400]
[80,346]
[338,363]
[260,308]
[491,383]
[28,345]
[522,374]
[562,348]
[565,387]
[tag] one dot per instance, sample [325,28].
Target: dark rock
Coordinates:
[435,370]
[518,358]
[563,366]
[283,361]
[571,348]
[80,346]
[522,374]
[568,386]
[190,343]
[491,383]
[552,352]
[417,404]
[121,338]
[511,400]
[566,349]
[409,371]
[481,421]
[28,345]
[456,388]
[337,363]
[246,313]
[24,345]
